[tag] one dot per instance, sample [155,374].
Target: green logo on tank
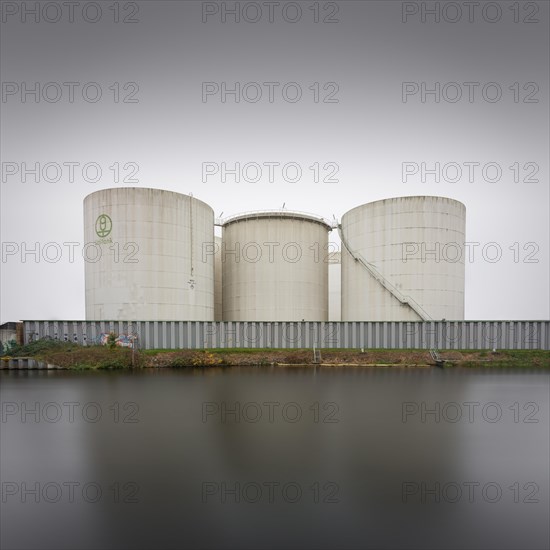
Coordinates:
[103,226]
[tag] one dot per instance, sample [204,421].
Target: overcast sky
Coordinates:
[355,117]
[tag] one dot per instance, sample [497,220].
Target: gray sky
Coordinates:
[360,61]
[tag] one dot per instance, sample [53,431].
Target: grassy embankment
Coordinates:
[76,357]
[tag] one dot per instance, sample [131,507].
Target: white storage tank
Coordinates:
[218,280]
[146,257]
[275,267]
[403,259]
[335,286]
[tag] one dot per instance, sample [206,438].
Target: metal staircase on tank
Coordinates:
[406,300]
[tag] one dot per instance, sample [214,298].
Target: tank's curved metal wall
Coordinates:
[274,268]
[335,286]
[218,307]
[417,245]
[154,260]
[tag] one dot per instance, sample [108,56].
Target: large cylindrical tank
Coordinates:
[274,267]
[335,286]
[154,252]
[218,306]
[403,260]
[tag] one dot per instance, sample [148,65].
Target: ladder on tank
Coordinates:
[406,300]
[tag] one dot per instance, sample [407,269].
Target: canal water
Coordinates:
[275,458]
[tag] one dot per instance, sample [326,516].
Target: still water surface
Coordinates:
[275,458]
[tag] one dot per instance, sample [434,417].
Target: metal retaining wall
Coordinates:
[389,335]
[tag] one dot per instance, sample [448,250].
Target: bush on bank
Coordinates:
[74,356]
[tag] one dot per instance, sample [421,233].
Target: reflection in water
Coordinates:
[273,457]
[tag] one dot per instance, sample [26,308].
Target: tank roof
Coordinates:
[275,214]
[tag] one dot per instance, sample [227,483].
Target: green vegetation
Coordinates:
[111,340]
[111,356]
[227,351]
[74,356]
[510,358]
[42,346]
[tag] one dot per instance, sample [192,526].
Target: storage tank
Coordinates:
[403,260]
[275,267]
[218,306]
[335,286]
[146,256]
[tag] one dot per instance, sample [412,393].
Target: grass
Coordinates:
[74,356]
[511,358]
[217,350]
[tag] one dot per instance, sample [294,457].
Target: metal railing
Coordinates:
[279,211]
